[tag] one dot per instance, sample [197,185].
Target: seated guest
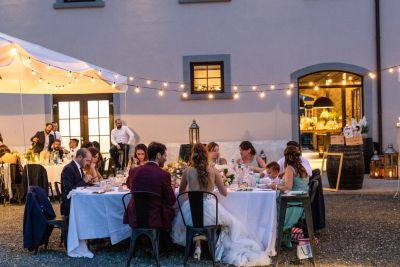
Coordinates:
[295,178]
[73,147]
[101,164]
[152,178]
[213,154]
[249,157]
[6,156]
[140,156]
[304,161]
[56,147]
[87,144]
[72,176]
[92,170]
[43,140]
[271,174]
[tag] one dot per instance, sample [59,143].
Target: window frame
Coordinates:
[192,79]
[61,4]
[226,74]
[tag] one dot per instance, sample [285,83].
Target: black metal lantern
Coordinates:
[194,133]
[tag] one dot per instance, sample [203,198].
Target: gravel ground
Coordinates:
[362,230]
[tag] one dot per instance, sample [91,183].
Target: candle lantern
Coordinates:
[194,133]
[390,162]
[376,167]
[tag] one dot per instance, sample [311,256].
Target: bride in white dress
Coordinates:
[234,246]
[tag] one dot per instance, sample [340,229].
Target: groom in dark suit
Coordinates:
[151,177]
[43,140]
[72,176]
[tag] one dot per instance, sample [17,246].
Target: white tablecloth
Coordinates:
[257,211]
[95,216]
[100,215]
[6,172]
[54,172]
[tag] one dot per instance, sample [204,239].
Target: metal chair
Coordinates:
[57,186]
[196,202]
[142,201]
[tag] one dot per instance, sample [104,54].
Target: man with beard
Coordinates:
[57,148]
[43,140]
[150,177]
[73,176]
[121,138]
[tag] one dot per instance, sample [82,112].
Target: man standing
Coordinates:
[121,138]
[72,176]
[56,133]
[152,178]
[43,140]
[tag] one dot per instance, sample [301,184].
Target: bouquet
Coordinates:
[29,155]
[227,177]
[176,170]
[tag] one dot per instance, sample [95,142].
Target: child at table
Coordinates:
[271,174]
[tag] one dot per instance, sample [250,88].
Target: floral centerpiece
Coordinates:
[29,155]
[176,170]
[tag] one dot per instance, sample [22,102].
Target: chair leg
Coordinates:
[154,242]
[211,243]
[310,228]
[189,241]
[281,222]
[131,251]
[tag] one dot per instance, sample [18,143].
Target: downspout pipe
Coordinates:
[378,71]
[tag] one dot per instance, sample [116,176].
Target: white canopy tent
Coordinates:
[32,69]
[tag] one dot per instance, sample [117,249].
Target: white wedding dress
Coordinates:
[234,246]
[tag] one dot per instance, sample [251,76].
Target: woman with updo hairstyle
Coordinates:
[213,154]
[248,156]
[235,243]
[295,178]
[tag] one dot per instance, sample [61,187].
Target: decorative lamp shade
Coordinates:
[390,159]
[194,133]
[376,167]
[323,102]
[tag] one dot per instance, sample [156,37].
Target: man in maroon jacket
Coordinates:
[151,177]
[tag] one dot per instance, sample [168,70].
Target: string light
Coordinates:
[236,95]
[116,76]
[254,88]
[289,92]
[182,86]
[310,83]
[40,80]
[391,70]
[262,94]
[69,84]
[81,74]
[48,67]
[185,95]
[165,84]
[131,78]
[272,87]
[210,96]
[33,72]
[148,82]
[69,74]
[113,85]
[76,79]
[48,85]
[344,82]
[92,80]
[291,85]
[316,88]
[235,88]
[99,72]
[161,92]
[13,51]
[28,60]
[137,89]
[371,75]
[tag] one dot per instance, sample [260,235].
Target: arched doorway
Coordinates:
[328,95]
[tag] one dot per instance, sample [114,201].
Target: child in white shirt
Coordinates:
[271,174]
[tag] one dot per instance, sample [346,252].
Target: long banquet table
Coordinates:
[100,216]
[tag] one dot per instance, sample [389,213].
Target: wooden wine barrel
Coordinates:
[352,169]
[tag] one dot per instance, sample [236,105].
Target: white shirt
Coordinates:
[304,162]
[73,152]
[57,135]
[123,135]
[79,167]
